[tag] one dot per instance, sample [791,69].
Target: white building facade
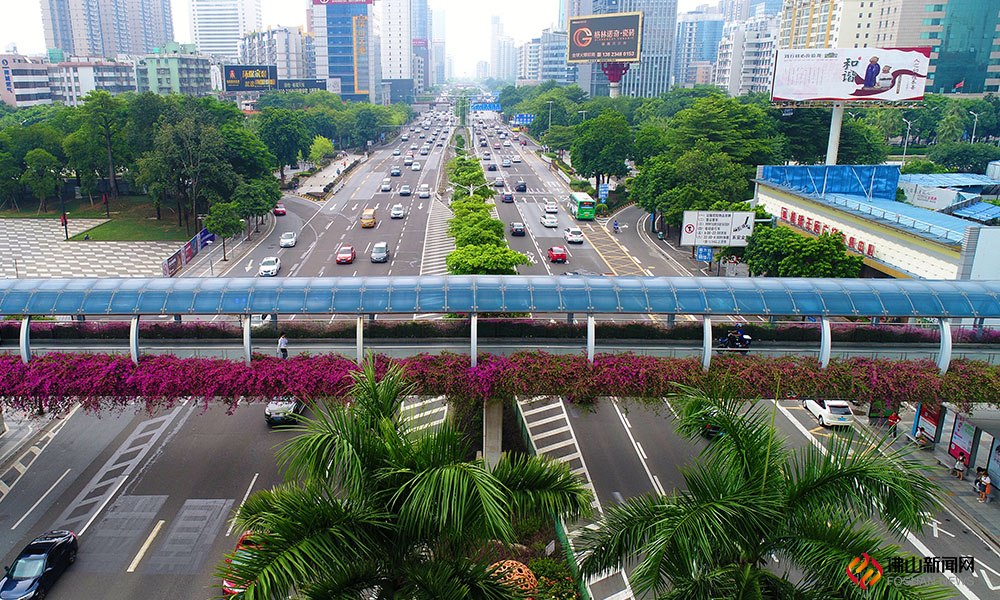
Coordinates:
[746,55]
[218,25]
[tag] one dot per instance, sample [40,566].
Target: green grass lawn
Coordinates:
[133,218]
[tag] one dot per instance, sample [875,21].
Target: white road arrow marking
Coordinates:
[355,207]
[249,265]
[420,206]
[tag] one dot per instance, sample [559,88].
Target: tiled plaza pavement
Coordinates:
[39,249]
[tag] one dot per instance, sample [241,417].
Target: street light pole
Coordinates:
[550,113]
[974,123]
[211,265]
[65,221]
[584,114]
[906,141]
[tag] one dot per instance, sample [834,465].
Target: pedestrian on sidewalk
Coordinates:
[984,486]
[283,345]
[959,469]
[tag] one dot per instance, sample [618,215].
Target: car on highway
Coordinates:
[524,142]
[507,197]
[573,235]
[283,409]
[386,185]
[482,144]
[521,186]
[498,182]
[549,221]
[506,143]
[829,412]
[422,136]
[424,191]
[516,158]
[395,152]
[395,172]
[39,565]
[287,239]
[413,148]
[491,167]
[518,229]
[380,252]
[405,138]
[269,267]
[397,212]
[407,161]
[440,144]
[515,136]
[487,156]
[405,190]
[506,162]
[345,255]
[424,151]
[279,209]
[368,218]
[557,254]
[416,166]
[551,207]
[242,553]
[496,145]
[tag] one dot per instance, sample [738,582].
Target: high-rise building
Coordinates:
[174,69]
[561,18]
[482,70]
[395,32]
[698,35]
[348,50]
[438,63]
[553,58]
[746,55]
[739,10]
[529,63]
[496,32]
[25,82]
[106,27]
[810,23]
[507,52]
[218,25]
[288,48]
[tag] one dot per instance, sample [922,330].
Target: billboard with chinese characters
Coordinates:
[301,84]
[605,38]
[716,228]
[250,78]
[360,28]
[850,74]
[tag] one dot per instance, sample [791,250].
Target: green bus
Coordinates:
[581,206]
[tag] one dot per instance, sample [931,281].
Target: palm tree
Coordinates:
[373,509]
[750,500]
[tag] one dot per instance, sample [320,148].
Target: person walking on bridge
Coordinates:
[283,345]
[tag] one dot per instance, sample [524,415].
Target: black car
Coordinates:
[508,197]
[517,229]
[39,565]
[491,167]
[521,186]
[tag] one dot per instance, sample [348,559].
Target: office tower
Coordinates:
[290,49]
[561,18]
[420,33]
[697,46]
[810,24]
[746,55]
[482,70]
[348,50]
[496,32]
[218,25]
[529,64]
[553,58]
[439,63]
[395,32]
[106,27]
[507,53]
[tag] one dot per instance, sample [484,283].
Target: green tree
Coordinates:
[285,134]
[650,141]
[223,220]
[923,166]
[744,132]
[375,505]
[484,260]
[256,197]
[888,122]
[806,132]
[85,156]
[781,252]
[861,144]
[41,176]
[105,117]
[320,148]
[10,179]
[602,146]
[968,158]
[750,498]
[247,155]
[560,137]
[951,126]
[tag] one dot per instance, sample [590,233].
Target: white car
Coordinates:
[287,240]
[397,212]
[424,191]
[516,158]
[829,412]
[549,221]
[269,267]
[551,207]
[506,143]
[283,409]
[416,166]
[573,235]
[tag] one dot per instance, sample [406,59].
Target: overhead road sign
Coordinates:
[863,75]
[716,228]
[605,38]
[493,106]
[522,119]
[250,78]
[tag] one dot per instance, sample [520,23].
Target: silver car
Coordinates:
[283,409]
[287,240]
[398,212]
[380,252]
[269,267]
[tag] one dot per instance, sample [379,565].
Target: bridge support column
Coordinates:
[177,318]
[825,342]
[133,339]
[245,322]
[944,353]
[492,433]
[474,339]
[360,339]
[671,320]
[569,318]
[706,342]
[591,335]
[25,340]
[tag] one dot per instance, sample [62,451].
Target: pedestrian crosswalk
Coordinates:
[423,413]
[437,242]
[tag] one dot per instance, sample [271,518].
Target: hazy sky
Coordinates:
[468,29]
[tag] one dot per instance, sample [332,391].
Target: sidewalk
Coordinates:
[319,180]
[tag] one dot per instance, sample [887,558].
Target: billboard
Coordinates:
[716,228]
[605,38]
[301,84]
[360,29]
[250,78]
[848,74]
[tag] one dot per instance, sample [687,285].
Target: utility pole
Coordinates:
[974,123]
[906,140]
[550,113]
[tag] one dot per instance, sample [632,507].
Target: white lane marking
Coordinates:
[145,546]
[249,265]
[39,501]
[657,487]
[114,491]
[232,522]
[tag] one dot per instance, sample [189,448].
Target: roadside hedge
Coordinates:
[102,382]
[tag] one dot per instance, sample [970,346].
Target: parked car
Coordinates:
[551,207]
[380,252]
[829,412]
[573,235]
[287,240]
[398,212]
[244,549]
[557,254]
[269,267]
[283,409]
[521,186]
[345,255]
[518,229]
[507,197]
[405,190]
[549,221]
[279,209]
[39,565]
[395,172]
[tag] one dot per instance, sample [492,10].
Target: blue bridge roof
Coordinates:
[515,293]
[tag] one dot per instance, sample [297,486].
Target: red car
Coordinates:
[279,209]
[345,255]
[557,254]
[242,552]
[524,142]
